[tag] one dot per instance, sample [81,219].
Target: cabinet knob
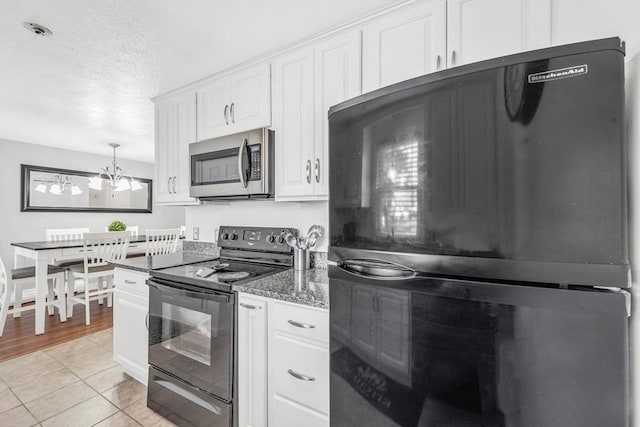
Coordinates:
[308,171]
[317,170]
[226,114]
[438,60]
[453,57]
[232,113]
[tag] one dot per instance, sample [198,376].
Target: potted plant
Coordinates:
[117,226]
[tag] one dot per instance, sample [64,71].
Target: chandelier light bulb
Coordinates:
[75,190]
[95,183]
[135,185]
[55,189]
[41,188]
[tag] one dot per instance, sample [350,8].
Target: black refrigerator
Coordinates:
[478,246]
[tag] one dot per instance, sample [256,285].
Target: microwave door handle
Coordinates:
[241,169]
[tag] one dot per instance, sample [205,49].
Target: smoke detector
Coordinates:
[38,29]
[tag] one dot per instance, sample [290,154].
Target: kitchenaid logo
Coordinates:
[561,73]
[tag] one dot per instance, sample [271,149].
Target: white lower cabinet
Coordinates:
[283,364]
[130,334]
[252,361]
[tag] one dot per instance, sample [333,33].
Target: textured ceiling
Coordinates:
[90,83]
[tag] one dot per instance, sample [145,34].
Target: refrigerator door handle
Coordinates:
[376,269]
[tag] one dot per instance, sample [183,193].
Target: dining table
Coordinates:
[43,253]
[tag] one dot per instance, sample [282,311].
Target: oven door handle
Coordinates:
[242,169]
[182,292]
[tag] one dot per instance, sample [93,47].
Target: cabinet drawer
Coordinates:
[301,321]
[289,414]
[300,372]
[131,281]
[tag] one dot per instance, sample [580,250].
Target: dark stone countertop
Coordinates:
[144,264]
[310,287]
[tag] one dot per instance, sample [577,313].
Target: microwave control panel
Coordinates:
[256,162]
[255,238]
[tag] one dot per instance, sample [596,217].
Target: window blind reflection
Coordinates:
[396,188]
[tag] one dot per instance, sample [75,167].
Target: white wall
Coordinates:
[300,215]
[16,226]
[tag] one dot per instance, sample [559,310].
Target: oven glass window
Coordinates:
[187,332]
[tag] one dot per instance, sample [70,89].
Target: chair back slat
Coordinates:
[64,234]
[162,241]
[102,248]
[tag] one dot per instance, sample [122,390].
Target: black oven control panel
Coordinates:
[255,238]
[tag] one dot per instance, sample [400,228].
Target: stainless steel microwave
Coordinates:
[237,166]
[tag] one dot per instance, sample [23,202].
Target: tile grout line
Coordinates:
[79,379]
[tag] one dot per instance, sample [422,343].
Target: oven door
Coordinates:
[191,335]
[233,165]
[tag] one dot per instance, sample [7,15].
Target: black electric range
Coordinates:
[192,315]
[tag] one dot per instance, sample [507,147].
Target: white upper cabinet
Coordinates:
[293,122]
[484,29]
[408,43]
[213,108]
[306,82]
[235,103]
[337,78]
[175,129]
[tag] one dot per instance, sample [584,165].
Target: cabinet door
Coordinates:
[213,109]
[252,362]
[250,102]
[293,122]
[185,128]
[130,336]
[408,43]
[165,149]
[337,78]
[483,29]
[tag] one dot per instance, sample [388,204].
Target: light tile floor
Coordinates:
[74,384]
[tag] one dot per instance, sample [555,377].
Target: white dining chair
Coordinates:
[162,241]
[63,235]
[19,276]
[99,250]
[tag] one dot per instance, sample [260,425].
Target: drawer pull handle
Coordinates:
[300,376]
[301,325]
[250,307]
[130,282]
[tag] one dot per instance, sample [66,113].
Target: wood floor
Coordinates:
[19,337]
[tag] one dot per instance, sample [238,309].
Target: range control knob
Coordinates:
[224,236]
[234,236]
[271,238]
[280,240]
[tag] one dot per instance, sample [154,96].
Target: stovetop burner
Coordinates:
[233,275]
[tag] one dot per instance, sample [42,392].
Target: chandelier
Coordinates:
[58,185]
[119,180]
